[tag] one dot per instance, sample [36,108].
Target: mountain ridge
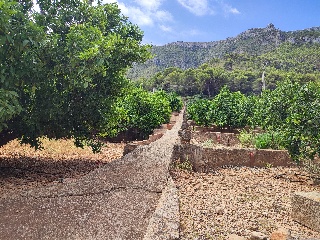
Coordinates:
[254,41]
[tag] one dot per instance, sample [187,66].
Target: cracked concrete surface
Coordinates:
[118,201]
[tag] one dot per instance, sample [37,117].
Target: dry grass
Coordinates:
[60,149]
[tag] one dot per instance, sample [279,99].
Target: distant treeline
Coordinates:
[241,72]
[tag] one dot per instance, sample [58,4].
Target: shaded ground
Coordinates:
[22,168]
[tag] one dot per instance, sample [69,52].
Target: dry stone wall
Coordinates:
[206,159]
[306,209]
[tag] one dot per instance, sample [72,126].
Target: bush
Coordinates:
[227,109]
[201,111]
[175,102]
[136,109]
[271,140]
[246,138]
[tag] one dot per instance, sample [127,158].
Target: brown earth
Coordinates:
[23,168]
[118,200]
[240,200]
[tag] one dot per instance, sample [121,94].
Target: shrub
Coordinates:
[246,138]
[266,140]
[175,102]
[136,109]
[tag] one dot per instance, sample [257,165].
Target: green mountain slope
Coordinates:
[254,41]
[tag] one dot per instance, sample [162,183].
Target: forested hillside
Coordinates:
[252,42]
[242,72]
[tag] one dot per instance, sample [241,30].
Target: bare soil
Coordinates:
[240,200]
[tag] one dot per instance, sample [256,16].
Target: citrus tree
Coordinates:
[137,110]
[60,66]
[201,111]
[229,109]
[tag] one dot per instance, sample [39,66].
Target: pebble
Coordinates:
[220,210]
[258,236]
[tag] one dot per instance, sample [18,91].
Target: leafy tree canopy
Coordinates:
[60,67]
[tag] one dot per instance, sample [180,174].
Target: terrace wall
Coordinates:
[206,159]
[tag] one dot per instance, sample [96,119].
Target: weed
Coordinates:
[208,143]
[271,140]
[183,165]
[269,165]
[246,138]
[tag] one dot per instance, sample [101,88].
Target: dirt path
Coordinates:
[116,201]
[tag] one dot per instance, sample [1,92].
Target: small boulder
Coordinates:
[220,210]
[281,234]
[258,236]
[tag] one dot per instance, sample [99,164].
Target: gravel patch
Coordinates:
[240,200]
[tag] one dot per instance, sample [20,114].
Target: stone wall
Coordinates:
[227,139]
[157,134]
[206,159]
[306,209]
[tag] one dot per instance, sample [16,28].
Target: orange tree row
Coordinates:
[139,110]
[292,111]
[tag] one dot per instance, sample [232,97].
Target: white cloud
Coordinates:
[165,28]
[137,16]
[143,12]
[199,7]
[234,11]
[110,1]
[149,4]
[229,9]
[205,7]
[163,16]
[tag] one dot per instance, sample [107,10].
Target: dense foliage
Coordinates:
[60,68]
[290,114]
[241,72]
[139,111]
[227,109]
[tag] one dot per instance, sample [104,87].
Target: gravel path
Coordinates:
[115,201]
[239,201]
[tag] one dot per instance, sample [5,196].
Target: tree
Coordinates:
[138,111]
[212,79]
[66,64]
[292,109]
[229,109]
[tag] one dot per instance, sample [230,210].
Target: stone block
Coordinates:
[258,236]
[306,209]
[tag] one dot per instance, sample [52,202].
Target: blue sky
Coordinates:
[165,21]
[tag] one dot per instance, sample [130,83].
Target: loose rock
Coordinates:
[258,236]
[281,234]
[220,210]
